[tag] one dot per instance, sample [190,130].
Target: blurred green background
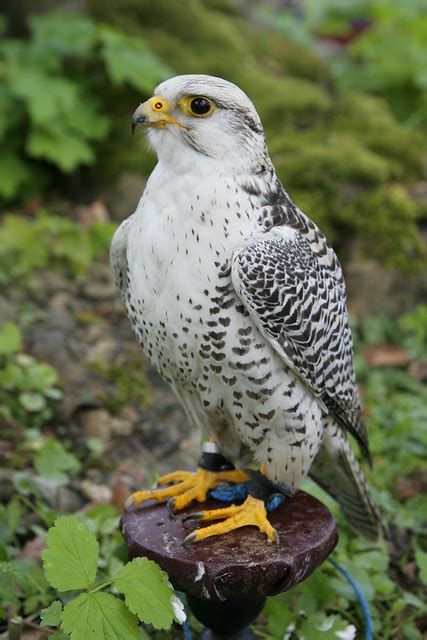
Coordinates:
[341,87]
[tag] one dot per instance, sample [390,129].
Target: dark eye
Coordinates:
[200,106]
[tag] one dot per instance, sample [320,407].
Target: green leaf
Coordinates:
[421,560]
[72,555]
[61,146]
[32,401]
[66,33]
[147,592]
[10,339]
[14,173]
[51,616]
[53,462]
[14,513]
[99,616]
[129,60]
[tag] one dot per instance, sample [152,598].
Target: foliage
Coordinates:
[28,389]
[54,95]
[70,563]
[48,240]
[397,417]
[129,384]
[324,606]
[341,154]
[388,56]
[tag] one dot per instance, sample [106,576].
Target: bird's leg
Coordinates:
[252,512]
[185,486]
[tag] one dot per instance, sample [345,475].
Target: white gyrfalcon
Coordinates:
[239,302]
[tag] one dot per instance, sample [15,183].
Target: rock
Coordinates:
[8,311]
[123,425]
[94,212]
[98,493]
[373,289]
[124,196]
[120,492]
[62,498]
[99,284]
[32,549]
[96,423]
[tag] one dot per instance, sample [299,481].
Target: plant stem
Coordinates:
[101,585]
[15,628]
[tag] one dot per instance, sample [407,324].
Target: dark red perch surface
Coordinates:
[241,564]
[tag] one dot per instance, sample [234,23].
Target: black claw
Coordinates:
[170,504]
[196,515]
[189,539]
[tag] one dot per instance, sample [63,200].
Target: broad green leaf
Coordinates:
[129,60]
[51,616]
[147,592]
[61,146]
[53,461]
[99,616]
[10,338]
[72,555]
[66,33]
[14,173]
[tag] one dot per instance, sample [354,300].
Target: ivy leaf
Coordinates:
[147,592]
[101,616]
[51,616]
[71,556]
[53,461]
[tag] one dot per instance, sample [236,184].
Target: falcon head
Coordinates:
[194,118]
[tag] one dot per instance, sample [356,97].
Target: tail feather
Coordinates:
[338,472]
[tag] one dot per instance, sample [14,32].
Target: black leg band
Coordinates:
[262,488]
[215,462]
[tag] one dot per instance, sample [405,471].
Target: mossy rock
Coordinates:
[340,155]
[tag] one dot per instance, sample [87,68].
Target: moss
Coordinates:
[384,219]
[340,155]
[129,384]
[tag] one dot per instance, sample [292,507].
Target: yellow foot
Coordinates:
[186,486]
[251,513]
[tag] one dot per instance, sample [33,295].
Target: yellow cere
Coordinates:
[159,104]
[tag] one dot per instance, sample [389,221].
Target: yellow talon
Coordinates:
[251,513]
[186,487]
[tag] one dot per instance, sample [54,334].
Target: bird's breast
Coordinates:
[179,252]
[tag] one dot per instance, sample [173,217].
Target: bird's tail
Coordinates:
[337,470]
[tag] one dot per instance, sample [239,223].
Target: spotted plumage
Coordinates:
[238,300]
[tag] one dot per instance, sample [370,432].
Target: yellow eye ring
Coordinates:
[198,106]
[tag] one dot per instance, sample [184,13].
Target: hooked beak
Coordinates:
[155,112]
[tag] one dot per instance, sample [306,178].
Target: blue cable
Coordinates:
[186,631]
[360,598]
